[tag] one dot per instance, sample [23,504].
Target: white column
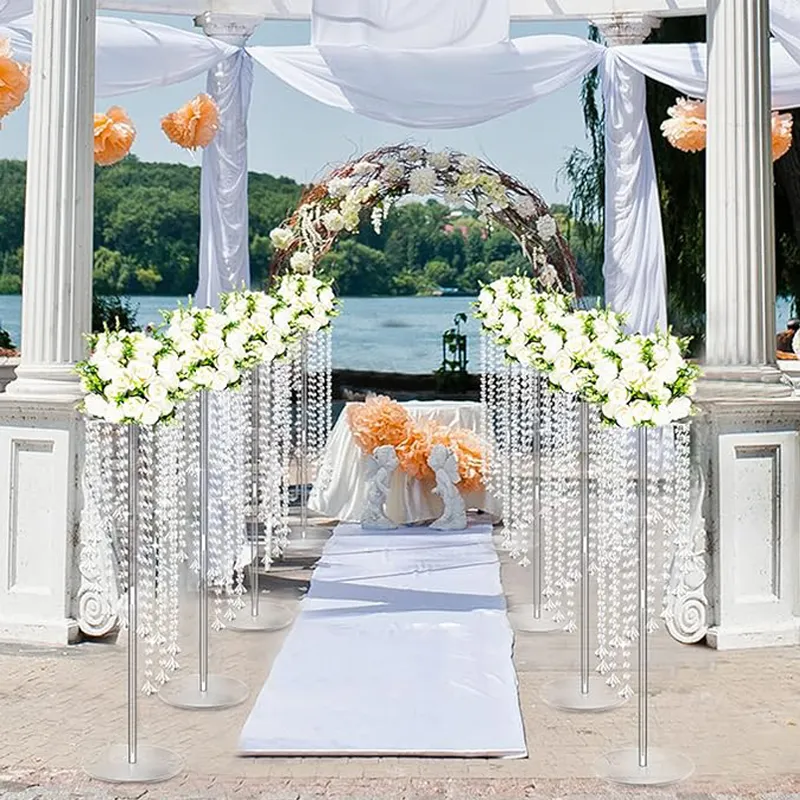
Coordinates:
[224,262]
[57,272]
[41,433]
[740,239]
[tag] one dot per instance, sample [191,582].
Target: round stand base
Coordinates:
[522,619]
[566,695]
[221,692]
[153,765]
[663,767]
[271,616]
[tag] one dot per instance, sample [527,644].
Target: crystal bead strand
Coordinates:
[515,463]
[528,419]
[145,591]
[162,545]
[572,490]
[282,405]
[680,548]
[504,437]
[597,554]
[618,523]
[238,494]
[549,532]
[218,459]
[558,501]
[655,519]
[628,567]
[118,442]
[177,537]
[269,465]
[192,429]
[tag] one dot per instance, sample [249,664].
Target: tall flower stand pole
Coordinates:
[134,762]
[204,690]
[643,765]
[585,692]
[263,616]
[534,618]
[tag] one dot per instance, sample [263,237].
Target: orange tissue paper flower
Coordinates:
[14,80]
[781,135]
[114,135]
[413,451]
[686,127]
[377,421]
[194,124]
[469,454]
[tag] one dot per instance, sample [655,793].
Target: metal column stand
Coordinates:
[204,690]
[533,618]
[303,542]
[132,762]
[642,765]
[265,614]
[586,692]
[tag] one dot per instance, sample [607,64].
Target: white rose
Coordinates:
[629,349]
[210,344]
[132,408]
[422,181]
[114,413]
[642,411]
[634,373]
[327,298]
[301,261]
[333,220]
[509,323]
[570,383]
[606,369]
[624,417]
[552,343]
[680,408]
[148,347]
[440,160]
[618,394]
[219,382]
[225,361]
[562,362]
[107,370]
[142,371]
[577,344]
[661,416]
[610,410]
[338,187]
[96,405]
[151,414]
[204,376]
[281,238]
[236,341]
[156,391]
[114,350]
[666,374]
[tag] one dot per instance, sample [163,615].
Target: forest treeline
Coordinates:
[147,228]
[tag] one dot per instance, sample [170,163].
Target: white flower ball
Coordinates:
[546,227]
[422,181]
[338,187]
[301,261]
[333,220]
[281,238]
[440,160]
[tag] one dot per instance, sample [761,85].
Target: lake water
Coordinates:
[383,334]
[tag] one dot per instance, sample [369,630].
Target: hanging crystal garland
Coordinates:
[192,444]
[569,502]
[552,536]
[269,467]
[282,441]
[678,534]
[516,456]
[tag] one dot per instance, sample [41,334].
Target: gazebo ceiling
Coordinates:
[520,9]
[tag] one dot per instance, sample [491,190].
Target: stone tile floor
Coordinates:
[736,714]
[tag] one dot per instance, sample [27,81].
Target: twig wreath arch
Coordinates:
[376,180]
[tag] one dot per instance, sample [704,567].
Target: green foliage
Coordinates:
[147,229]
[113,313]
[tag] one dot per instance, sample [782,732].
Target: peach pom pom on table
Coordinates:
[114,135]
[193,125]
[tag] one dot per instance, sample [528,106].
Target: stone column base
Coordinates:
[747,445]
[41,453]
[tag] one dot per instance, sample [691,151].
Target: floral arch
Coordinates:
[373,182]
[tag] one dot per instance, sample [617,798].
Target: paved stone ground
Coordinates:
[735,714]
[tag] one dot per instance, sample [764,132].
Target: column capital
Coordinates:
[625,28]
[234,29]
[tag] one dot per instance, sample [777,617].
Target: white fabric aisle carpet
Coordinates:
[402,647]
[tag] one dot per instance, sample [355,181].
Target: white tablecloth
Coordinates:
[340,491]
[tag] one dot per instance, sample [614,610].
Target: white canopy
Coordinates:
[478,77]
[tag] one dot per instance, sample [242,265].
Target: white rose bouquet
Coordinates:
[205,359]
[260,326]
[310,303]
[643,381]
[131,378]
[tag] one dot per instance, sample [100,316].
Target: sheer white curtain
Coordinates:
[409,24]
[224,226]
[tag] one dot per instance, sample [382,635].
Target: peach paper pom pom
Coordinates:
[378,421]
[467,448]
[194,124]
[14,80]
[781,135]
[686,128]
[114,135]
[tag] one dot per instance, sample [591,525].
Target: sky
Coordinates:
[293,135]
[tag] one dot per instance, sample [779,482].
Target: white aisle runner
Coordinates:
[402,647]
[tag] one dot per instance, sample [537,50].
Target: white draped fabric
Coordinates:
[132,56]
[224,236]
[13,9]
[635,265]
[401,24]
[785,23]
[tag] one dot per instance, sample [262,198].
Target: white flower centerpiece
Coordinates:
[131,378]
